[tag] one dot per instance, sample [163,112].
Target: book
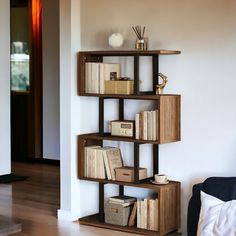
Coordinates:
[139,214]
[145,125]
[122,199]
[112,159]
[88,77]
[95,78]
[149,125]
[100,172]
[156,215]
[153,215]
[154,124]
[144,214]
[106,163]
[88,157]
[137,125]
[133,215]
[126,204]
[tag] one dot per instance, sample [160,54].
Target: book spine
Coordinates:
[139,214]
[101,78]
[149,125]
[85,162]
[137,126]
[105,158]
[156,215]
[145,125]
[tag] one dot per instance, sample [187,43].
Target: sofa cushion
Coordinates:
[217,218]
[223,188]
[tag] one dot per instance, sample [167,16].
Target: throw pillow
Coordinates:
[217,218]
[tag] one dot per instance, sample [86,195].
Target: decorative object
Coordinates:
[123,128]
[160,179]
[126,173]
[116,40]
[160,87]
[119,87]
[116,214]
[141,41]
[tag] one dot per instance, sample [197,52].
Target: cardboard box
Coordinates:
[126,174]
[119,87]
[116,214]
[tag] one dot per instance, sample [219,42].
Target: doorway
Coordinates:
[35,121]
[26,79]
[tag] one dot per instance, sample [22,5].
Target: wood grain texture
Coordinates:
[97,56]
[34,203]
[168,215]
[169,119]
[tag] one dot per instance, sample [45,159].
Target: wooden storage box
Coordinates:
[119,87]
[126,174]
[116,214]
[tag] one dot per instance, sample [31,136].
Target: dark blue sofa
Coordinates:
[223,188]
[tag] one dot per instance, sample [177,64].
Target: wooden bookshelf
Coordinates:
[169,211]
[97,56]
[168,122]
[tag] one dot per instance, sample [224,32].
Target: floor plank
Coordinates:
[34,203]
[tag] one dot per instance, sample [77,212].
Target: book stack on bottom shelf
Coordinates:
[147,214]
[156,216]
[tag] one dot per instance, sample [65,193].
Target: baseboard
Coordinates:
[66,215]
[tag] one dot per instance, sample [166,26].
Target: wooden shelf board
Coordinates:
[131,52]
[93,220]
[137,185]
[108,136]
[131,96]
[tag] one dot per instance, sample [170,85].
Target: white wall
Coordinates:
[51,109]
[5,156]
[204,74]
[69,109]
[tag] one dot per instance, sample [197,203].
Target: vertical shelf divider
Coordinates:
[101,115]
[155,71]
[155,159]
[121,190]
[136,74]
[136,162]
[121,109]
[101,202]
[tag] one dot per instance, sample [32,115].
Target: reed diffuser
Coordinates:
[141,41]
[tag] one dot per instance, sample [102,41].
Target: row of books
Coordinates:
[97,73]
[101,162]
[147,214]
[146,125]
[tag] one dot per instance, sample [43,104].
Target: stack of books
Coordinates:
[97,73]
[147,214]
[122,200]
[101,162]
[146,125]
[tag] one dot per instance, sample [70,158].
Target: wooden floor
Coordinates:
[34,203]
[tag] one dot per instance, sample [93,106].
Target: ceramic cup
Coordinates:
[161,178]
